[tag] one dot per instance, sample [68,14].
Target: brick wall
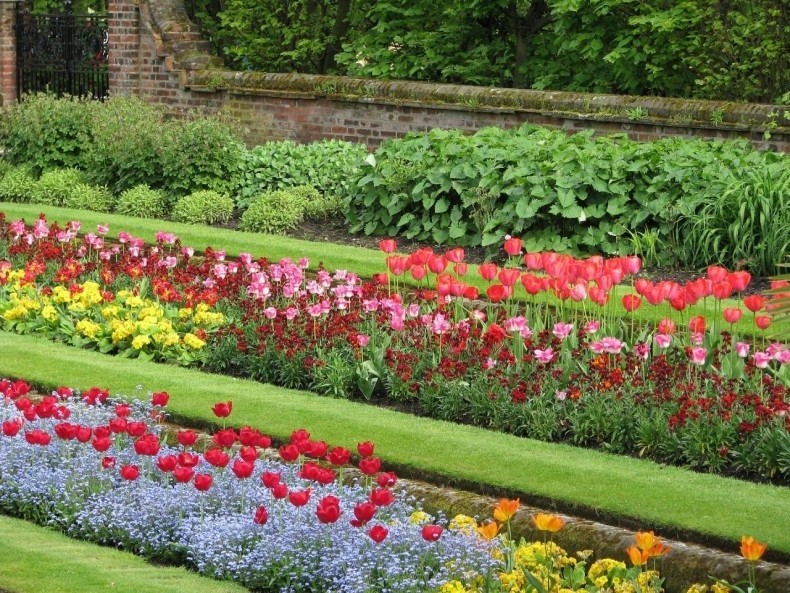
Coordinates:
[157,53]
[7,53]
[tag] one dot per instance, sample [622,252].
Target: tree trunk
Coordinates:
[339,31]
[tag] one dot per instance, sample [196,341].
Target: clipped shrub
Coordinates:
[18,184]
[143,202]
[274,212]
[58,187]
[327,166]
[48,132]
[204,207]
[89,197]
[200,153]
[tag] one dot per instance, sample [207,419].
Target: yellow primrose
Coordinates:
[134,302]
[77,307]
[185,313]
[419,518]
[49,313]
[110,311]
[453,587]
[61,294]
[88,328]
[139,342]
[463,523]
[193,341]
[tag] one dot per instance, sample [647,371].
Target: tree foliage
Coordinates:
[723,49]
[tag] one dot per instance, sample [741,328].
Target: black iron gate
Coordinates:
[62,53]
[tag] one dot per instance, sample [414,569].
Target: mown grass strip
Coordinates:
[365,262]
[664,498]
[36,560]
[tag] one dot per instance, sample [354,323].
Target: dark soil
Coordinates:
[334,230]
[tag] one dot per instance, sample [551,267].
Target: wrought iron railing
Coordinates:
[66,54]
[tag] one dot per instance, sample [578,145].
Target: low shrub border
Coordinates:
[673,501]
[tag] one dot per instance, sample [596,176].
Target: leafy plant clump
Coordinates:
[17,184]
[327,166]
[143,202]
[204,207]
[565,193]
[90,197]
[275,212]
[58,187]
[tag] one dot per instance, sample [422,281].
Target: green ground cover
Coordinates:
[668,499]
[365,262]
[38,560]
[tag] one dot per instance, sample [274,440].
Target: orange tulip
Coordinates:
[638,557]
[550,523]
[645,540]
[489,530]
[505,510]
[659,549]
[751,549]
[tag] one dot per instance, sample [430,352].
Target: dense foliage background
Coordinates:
[713,49]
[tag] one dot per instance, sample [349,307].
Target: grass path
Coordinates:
[34,559]
[668,499]
[365,262]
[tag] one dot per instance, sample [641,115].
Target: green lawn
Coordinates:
[365,262]
[667,499]
[34,559]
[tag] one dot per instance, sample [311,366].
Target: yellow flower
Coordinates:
[505,510]
[88,328]
[49,313]
[697,588]
[134,302]
[77,307]
[419,518]
[110,311]
[139,342]
[719,587]
[16,312]
[61,294]
[185,313]
[463,523]
[453,587]
[193,341]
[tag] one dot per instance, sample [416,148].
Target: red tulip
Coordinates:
[248,454]
[388,245]
[270,479]
[631,264]
[101,444]
[397,264]
[498,292]
[762,321]
[242,469]
[38,437]
[222,409]
[136,429]
[289,452]
[84,434]
[299,435]
[631,302]
[532,284]
[370,465]
[381,279]
[364,511]
[460,269]
[203,482]
[431,533]
[512,246]
[108,462]
[487,271]
[328,509]
[471,293]
[339,456]
[418,272]
[183,474]
[130,472]
[166,463]
[666,326]
[118,425]
[717,273]
[697,325]
[309,471]
[678,303]
[160,398]
[421,256]
[722,290]
[225,438]
[437,264]
[186,438]
[317,449]
[455,256]
[12,427]
[739,280]
[123,410]
[261,515]
[147,445]
[365,449]
[187,459]
[509,276]
[732,314]
[217,457]
[378,533]
[102,431]
[280,491]
[386,479]
[381,497]
[299,498]
[754,302]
